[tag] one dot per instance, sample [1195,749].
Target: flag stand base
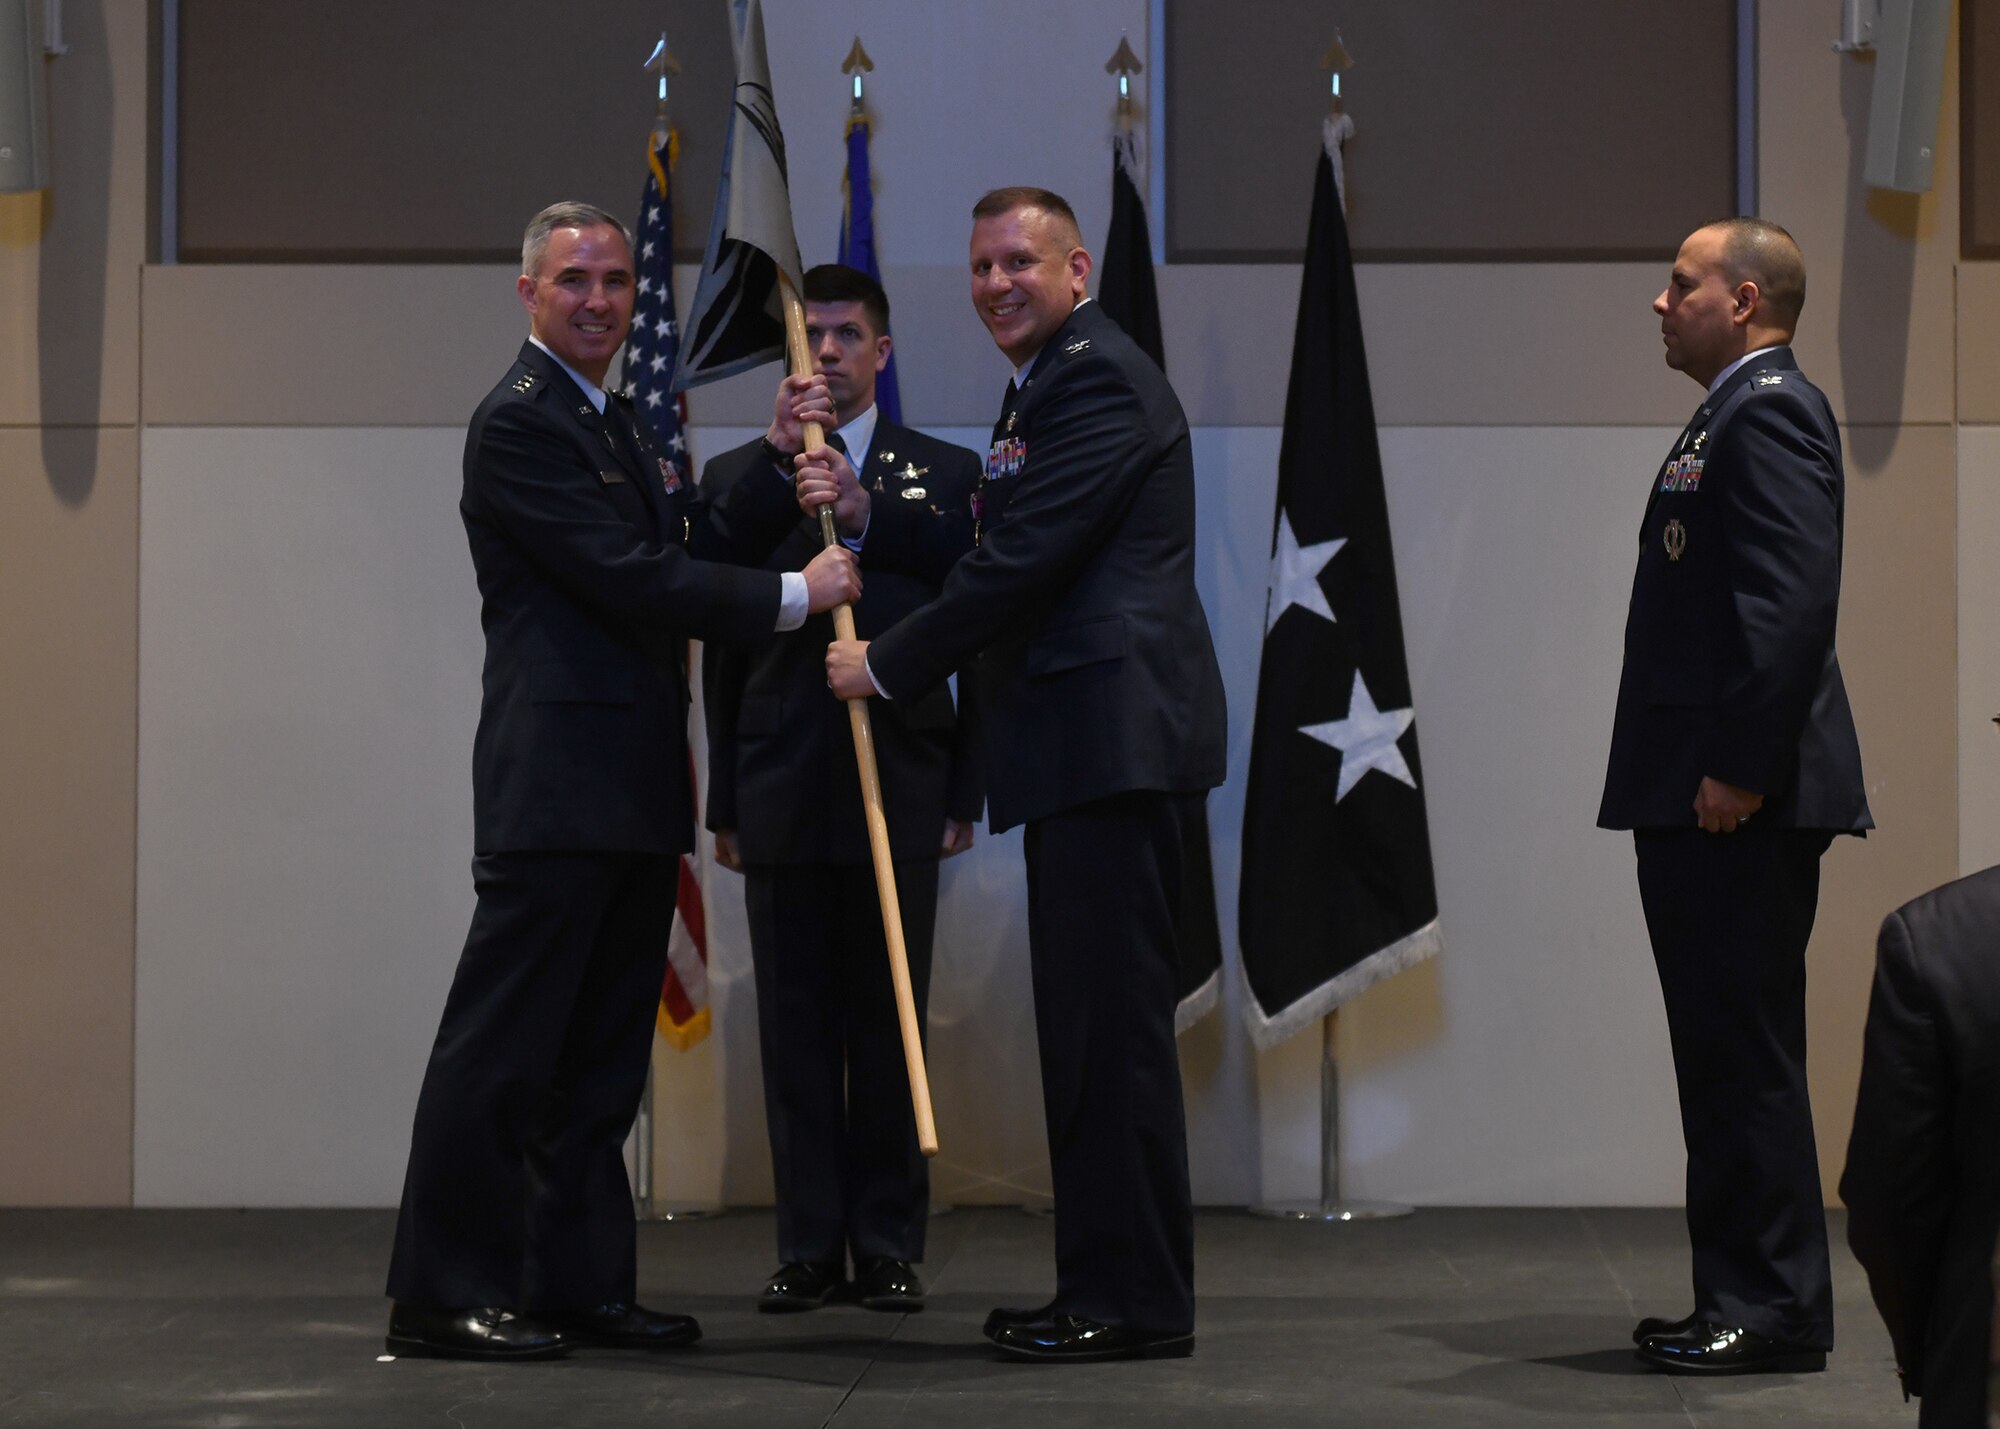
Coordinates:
[645,1206]
[1331,1207]
[1331,1211]
[687,1211]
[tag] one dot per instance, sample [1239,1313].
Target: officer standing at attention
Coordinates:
[516,1236]
[784,802]
[1734,761]
[1071,578]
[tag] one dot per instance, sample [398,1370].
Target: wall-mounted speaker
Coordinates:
[1910,38]
[24,100]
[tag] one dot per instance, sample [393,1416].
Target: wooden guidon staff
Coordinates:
[871,780]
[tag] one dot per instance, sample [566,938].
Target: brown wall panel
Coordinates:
[410,345]
[1899,653]
[1979,118]
[1979,343]
[70,256]
[382,131]
[68,726]
[1567,128]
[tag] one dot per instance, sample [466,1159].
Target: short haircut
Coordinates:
[838,283]
[568,214]
[1760,251]
[995,202]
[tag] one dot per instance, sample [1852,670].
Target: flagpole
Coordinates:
[1332,1207]
[871,780]
[642,1150]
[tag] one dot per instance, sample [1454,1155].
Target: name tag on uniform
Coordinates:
[611,478]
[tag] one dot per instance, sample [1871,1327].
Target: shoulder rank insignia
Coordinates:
[1076,346]
[525,382]
[1770,379]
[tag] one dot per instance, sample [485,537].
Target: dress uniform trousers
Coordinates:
[1104,886]
[1730,916]
[848,1172]
[532,1086]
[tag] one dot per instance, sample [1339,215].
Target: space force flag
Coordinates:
[737,318]
[1337,889]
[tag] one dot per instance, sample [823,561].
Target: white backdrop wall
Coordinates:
[308,654]
[309,685]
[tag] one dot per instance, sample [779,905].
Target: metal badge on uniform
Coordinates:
[1012,417]
[1770,379]
[888,456]
[611,478]
[669,478]
[914,493]
[1077,346]
[1675,538]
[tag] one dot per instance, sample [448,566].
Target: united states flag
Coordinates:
[650,353]
[655,344]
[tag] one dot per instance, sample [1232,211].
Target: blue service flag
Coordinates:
[857,246]
[655,344]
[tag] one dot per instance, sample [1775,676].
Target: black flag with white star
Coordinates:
[1126,292]
[1337,889]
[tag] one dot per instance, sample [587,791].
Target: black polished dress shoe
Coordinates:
[624,1327]
[889,1285]
[799,1285]
[488,1333]
[1069,1340]
[1704,1348]
[1656,1325]
[1005,1316]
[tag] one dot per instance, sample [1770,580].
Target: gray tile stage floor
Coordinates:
[1447,1318]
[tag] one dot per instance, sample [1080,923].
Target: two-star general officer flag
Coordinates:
[1125,291]
[737,318]
[1337,889]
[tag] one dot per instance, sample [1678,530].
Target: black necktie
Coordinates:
[1007,405]
[619,423]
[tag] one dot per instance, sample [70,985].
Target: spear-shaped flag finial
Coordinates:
[1336,59]
[1124,64]
[857,64]
[661,62]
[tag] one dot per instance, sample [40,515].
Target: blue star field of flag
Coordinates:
[655,342]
